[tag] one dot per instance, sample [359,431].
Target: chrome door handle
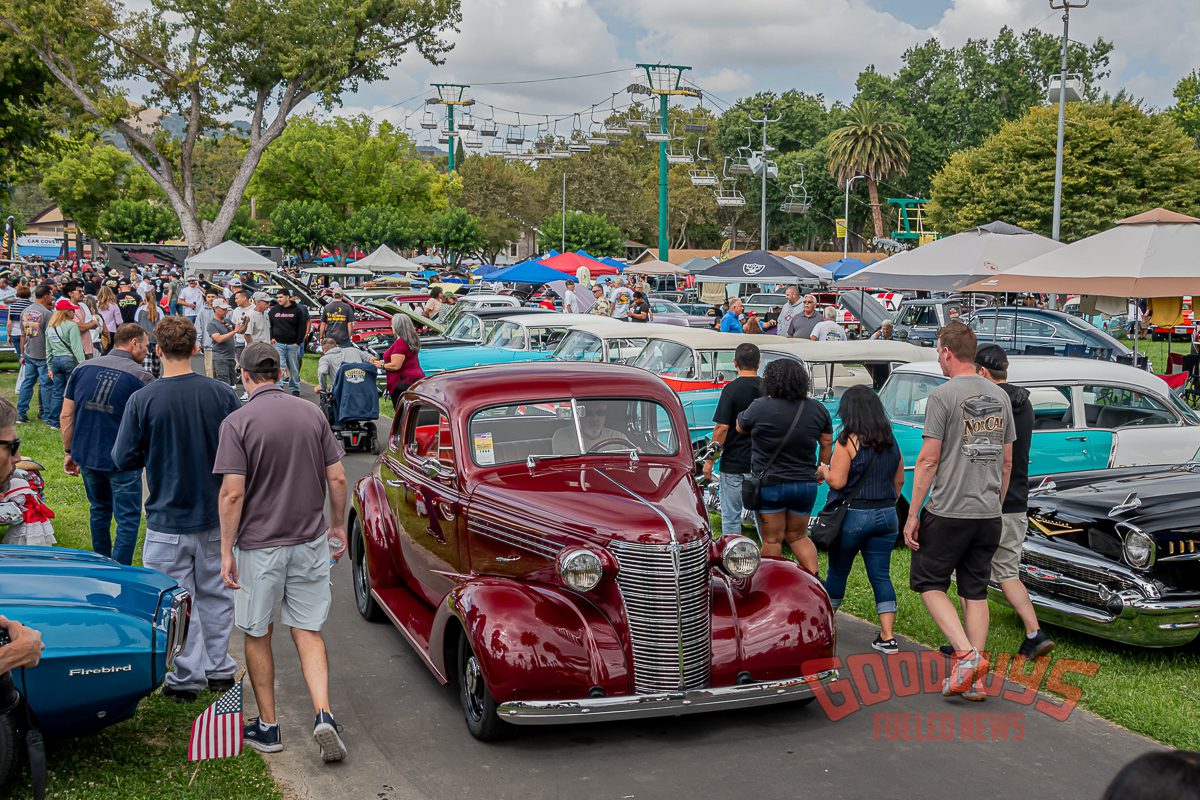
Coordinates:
[1076,438]
[394,484]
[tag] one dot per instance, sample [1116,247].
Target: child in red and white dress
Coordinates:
[22,509]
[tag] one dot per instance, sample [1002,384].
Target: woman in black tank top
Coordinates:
[866,451]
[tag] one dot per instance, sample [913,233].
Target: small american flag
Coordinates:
[217,732]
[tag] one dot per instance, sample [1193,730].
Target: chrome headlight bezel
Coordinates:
[1146,550]
[740,557]
[580,569]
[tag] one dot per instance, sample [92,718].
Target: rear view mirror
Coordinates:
[900,333]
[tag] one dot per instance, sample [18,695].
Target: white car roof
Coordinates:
[855,351]
[609,327]
[1046,369]
[546,320]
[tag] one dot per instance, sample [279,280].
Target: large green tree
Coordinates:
[870,144]
[348,164]
[207,60]
[1117,161]
[455,234]
[84,176]
[371,226]
[504,196]
[304,226]
[591,233]
[23,122]
[1186,110]
[138,221]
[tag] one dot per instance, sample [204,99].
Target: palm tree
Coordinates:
[871,145]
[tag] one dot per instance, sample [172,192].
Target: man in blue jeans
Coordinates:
[734,447]
[33,340]
[93,404]
[289,329]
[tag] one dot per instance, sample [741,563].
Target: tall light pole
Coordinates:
[665,80]
[564,213]
[1066,6]
[846,216]
[766,120]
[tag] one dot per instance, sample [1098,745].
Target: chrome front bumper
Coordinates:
[1140,621]
[665,704]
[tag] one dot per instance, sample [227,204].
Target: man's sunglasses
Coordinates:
[13,445]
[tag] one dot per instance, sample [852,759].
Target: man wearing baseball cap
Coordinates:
[127,300]
[336,317]
[191,298]
[221,331]
[278,459]
[991,362]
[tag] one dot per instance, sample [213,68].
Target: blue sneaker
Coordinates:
[264,740]
[327,733]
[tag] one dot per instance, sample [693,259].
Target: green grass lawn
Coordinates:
[1152,692]
[144,758]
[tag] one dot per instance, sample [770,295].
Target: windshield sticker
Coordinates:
[485,454]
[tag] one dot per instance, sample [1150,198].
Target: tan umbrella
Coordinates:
[1154,254]
[656,268]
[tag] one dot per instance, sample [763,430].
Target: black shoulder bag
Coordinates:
[752,483]
[827,526]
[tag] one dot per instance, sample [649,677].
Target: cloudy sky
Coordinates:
[736,48]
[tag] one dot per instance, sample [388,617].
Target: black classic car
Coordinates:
[1116,553]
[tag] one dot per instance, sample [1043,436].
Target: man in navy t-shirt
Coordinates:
[171,428]
[95,399]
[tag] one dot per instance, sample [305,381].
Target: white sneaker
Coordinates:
[245,396]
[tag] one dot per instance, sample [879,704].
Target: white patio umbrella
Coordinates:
[656,268]
[950,264]
[385,259]
[229,256]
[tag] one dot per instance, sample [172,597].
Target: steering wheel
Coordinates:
[612,440]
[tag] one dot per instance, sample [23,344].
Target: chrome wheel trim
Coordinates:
[473,686]
[361,576]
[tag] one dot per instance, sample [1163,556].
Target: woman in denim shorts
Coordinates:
[789,483]
[867,451]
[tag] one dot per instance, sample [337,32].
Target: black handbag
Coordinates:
[752,483]
[827,526]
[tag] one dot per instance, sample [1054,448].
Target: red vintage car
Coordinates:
[535,532]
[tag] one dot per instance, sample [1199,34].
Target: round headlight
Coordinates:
[1138,548]
[741,557]
[580,569]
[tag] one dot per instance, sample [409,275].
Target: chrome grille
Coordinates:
[667,602]
[1079,571]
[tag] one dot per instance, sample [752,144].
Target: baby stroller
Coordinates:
[352,406]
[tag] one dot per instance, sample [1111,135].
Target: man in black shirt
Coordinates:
[336,317]
[639,309]
[289,329]
[991,362]
[127,300]
[734,447]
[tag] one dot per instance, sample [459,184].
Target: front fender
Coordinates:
[533,642]
[380,539]
[770,624]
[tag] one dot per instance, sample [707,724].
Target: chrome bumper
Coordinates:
[1130,618]
[665,704]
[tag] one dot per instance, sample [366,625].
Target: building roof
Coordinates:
[818,257]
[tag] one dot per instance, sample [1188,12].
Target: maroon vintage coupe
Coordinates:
[535,532]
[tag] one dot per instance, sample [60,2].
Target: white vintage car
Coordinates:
[1088,414]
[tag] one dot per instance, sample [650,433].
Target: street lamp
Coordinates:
[846,213]
[1065,6]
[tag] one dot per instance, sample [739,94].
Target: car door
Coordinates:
[1061,441]
[426,501]
[1145,429]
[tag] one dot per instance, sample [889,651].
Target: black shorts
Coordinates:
[960,546]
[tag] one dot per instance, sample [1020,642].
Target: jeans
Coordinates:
[797,497]
[35,371]
[194,560]
[223,370]
[114,495]
[730,486]
[289,358]
[871,531]
[62,367]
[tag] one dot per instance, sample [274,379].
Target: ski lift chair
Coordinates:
[635,120]
[559,149]
[488,127]
[677,150]
[797,200]
[516,136]
[467,123]
[702,176]
[696,122]
[427,121]
[729,196]
[472,140]
[739,164]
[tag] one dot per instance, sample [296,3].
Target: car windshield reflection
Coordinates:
[516,432]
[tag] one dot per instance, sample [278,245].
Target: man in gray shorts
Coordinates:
[277,457]
[991,362]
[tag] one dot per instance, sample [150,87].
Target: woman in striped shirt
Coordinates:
[16,305]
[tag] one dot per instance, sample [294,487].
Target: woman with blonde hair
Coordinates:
[400,361]
[110,316]
[148,315]
[64,352]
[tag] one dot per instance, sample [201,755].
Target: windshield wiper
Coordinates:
[533,460]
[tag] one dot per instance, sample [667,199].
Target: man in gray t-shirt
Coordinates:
[963,466]
[802,324]
[789,310]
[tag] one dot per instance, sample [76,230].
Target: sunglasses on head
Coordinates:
[13,445]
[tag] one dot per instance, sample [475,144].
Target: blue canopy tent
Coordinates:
[527,272]
[612,262]
[845,266]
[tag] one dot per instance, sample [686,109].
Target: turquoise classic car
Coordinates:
[522,337]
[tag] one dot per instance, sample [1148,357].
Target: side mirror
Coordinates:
[900,333]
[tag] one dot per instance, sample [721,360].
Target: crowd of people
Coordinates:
[967,515]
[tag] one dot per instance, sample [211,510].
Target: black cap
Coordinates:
[991,357]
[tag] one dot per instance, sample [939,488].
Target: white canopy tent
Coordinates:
[229,257]
[815,269]
[656,268]
[385,259]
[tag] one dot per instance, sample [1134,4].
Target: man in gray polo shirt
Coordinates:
[277,457]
